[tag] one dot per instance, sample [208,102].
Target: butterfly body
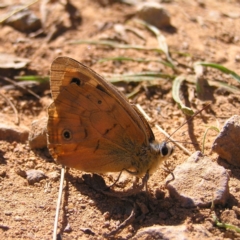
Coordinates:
[92,127]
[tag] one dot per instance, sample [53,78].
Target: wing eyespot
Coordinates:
[67,134]
[76,80]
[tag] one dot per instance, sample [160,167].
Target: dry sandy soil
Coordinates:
[201,31]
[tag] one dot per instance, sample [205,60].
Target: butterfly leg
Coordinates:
[145,180]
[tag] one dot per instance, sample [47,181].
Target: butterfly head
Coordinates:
[159,152]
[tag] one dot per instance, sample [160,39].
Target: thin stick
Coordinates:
[115,45]
[58,203]
[143,112]
[17,85]
[18,10]
[13,107]
[125,223]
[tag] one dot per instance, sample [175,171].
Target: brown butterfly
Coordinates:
[92,126]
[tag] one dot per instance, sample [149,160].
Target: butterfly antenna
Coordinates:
[169,137]
[188,120]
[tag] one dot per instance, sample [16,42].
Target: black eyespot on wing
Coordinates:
[67,134]
[76,80]
[99,102]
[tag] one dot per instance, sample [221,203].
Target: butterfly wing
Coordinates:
[91,125]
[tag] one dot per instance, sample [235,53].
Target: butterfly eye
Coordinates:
[76,80]
[66,134]
[164,150]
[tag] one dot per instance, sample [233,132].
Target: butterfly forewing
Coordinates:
[91,125]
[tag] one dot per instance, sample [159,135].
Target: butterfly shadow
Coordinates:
[104,203]
[44,154]
[142,209]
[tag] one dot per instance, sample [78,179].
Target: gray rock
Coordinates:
[198,182]
[54,176]
[10,132]
[154,14]
[24,21]
[34,176]
[37,136]
[180,232]
[226,145]
[9,61]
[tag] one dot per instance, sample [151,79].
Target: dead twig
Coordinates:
[17,10]
[19,86]
[17,119]
[58,203]
[124,224]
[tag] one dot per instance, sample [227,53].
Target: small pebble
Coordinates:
[68,228]
[8,213]
[87,231]
[34,176]
[106,215]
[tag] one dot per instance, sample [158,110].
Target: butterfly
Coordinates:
[92,126]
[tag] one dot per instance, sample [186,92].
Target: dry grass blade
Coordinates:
[176,95]
[221,68]
[138,77]
[134,92]
[205,135]
[40,79]
[120,58]
[115,45]
[225,86]
[200,81]
[17,85]
[192,79]
[17,119]
[225,225]
[58,203]
[162,43]
[18,10]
